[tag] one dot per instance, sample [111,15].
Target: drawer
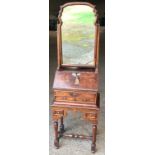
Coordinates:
[76,96]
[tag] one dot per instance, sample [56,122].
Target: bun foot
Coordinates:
[93,148]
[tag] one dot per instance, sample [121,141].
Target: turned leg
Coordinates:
[56,140]
[61,125]
[93,145]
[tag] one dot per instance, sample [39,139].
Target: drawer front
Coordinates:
[80,97]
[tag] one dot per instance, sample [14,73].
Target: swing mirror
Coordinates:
[77,35]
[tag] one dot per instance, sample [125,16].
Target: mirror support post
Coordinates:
[59,45]
[97,45]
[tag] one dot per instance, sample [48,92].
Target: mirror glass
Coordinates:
[78,35]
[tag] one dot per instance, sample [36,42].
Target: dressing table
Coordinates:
[75,86]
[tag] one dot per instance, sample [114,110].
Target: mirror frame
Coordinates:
[59,37]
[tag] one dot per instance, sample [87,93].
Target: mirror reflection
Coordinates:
[78,35]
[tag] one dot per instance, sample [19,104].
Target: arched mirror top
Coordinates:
[77,35]
[84,5]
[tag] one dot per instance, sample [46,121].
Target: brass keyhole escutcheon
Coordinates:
[77,78]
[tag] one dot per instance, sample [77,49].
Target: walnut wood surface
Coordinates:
[56,141]
[93,145]
[65,80]
[75,97]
